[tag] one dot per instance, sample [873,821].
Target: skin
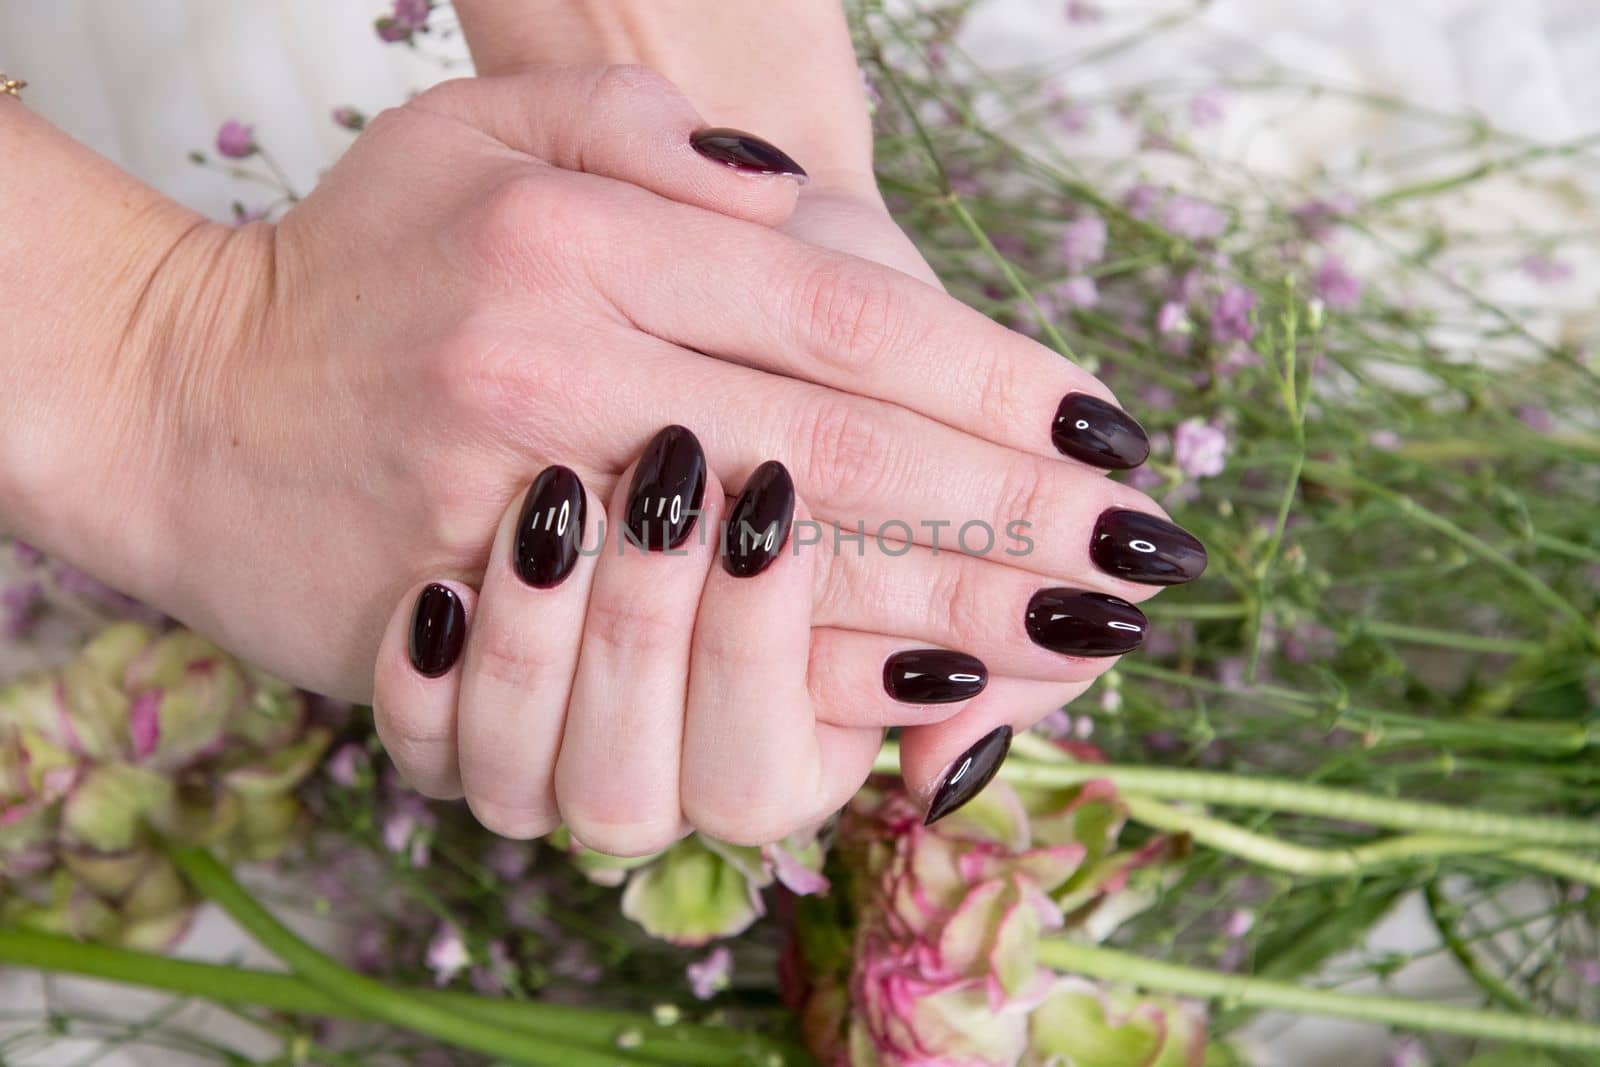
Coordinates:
[277,433]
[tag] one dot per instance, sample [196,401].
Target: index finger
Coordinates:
[805,312]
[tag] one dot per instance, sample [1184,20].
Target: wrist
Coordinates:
[113,356]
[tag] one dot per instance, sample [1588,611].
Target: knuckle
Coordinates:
[621,833]
[408,729]
[1026,492]
[749,820]
[528,224]
[850,450]
[957,606]
[620,87]
[852,314]
[1001,401]
[509,658]
[633,625]
[518,822]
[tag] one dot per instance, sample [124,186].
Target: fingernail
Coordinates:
[1078,623]
[760,520]
[933,676]
[1142,548]
[746,152]
[970,773]
[668,488]
[1100,434]
[550,528]
[438,630]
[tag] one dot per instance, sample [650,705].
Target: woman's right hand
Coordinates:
[347,401]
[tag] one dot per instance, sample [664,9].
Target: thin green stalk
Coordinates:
[400,1008]
[686,1044]
[1282,795]
[1267,851]
[1556,738]
[1241,990]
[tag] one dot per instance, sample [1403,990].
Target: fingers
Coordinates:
[1018,623]
[757,765]
[856,326]
[617,774]
[878,681]
[416,682]
[523,654]
[946,764]
[896,473]
[631,124]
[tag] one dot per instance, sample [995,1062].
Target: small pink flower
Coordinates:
[510,860]
[1083,12]
[349,118]
[1384,440]
[1547,269]
[1207,108]
[1317,218]
[1230,316]
[1172,318]
[235,140]
[1193,218]
[1141,200]
[345,766]
[1408,1052]
[1337,287]
[1079,291]
[1158,397]
[710,976]
[1083,243]
[1199,448]
[447,955]
[1535,418]
[1239,922]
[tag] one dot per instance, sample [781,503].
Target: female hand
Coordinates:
[360,392]
[643,671]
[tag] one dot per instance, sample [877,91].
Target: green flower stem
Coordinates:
[1281,795]
[1244,991]
[1266,851]
[686,1044]
[422,1014]
[1555,738]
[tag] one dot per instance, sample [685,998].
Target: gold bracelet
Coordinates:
[11,86]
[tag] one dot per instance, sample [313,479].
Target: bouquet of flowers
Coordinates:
[1380,419]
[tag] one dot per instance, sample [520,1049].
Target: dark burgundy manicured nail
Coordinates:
[1101,434]
[550,528]
[759,522]
[1078,623]
[933,676]
[668,488]
[970,773]
[438,630]
[745,152]
[1142,548]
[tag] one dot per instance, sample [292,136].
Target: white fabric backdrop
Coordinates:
[145,82]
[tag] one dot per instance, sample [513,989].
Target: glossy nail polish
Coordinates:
[1078,623]
[1142,548]
[970,773]
[438,630]
[759,523]
[550,528]
[669,485]
[746,152]
[933,676]
[1100,434]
